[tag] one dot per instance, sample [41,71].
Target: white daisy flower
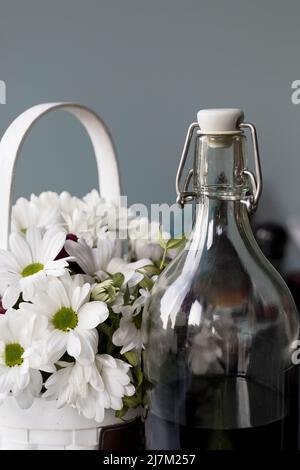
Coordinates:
[42,211]
[46,199]
[30,261]
[100,260]
[93,261]
[19,359]
[48,207]
[93,388]
[24,215]
[107,215]
[95,223]
[129,334]
[76,216]
[76,222]
[144,238]
[72,318]
[130,271]
[68,203]
[92,199]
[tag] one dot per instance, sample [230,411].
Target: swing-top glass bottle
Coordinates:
[221,325]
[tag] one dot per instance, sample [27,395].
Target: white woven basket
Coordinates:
[43,426]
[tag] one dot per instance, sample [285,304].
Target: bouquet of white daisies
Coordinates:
[71,305]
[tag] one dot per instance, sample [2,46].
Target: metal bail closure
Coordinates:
[255,180]
[184,195]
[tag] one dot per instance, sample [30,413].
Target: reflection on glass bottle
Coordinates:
[220,325]
[272,238]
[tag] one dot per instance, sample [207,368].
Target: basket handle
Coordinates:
[12,141]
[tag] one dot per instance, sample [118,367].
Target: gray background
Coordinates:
[146,67]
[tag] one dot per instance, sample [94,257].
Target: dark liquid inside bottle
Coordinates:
[224,413]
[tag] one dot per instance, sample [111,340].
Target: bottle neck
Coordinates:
[217,218]
[220,161]
[221,188]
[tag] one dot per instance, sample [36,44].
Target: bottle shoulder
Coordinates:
[228,282]
[213,314]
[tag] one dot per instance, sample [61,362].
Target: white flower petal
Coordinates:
[106,360]
[25,398]
[89,345]
[92,314]
[5,381]
[103,253]
[52,243]
[87,407]
[20,249]
[57,292]
[56,345]
[9,262]
[129,390]
[29,283]
[34,239]
[56,268]
[80,296]
[11,295]
[83,255]
[73,344]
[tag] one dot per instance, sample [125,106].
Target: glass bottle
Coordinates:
[220,326]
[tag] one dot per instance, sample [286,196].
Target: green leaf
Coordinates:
[127,295]
[146,283]
[110,348]
[163,264]
[132,358]
[106,329]
[150,269]
[137,320]
[140,376]
[175,242]
[134,293]
[121,413]
[139,395]
[131,402]
[157,264]
[118,279]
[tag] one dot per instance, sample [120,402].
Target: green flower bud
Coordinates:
[105,291]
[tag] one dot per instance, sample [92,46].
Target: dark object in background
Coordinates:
[293,282]
[128,436]
[272,239]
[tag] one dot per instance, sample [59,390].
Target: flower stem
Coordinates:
[163,258]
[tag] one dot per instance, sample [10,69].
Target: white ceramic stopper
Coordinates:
[220,120]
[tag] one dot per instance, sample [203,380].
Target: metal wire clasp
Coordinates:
[254,179]
[185,195]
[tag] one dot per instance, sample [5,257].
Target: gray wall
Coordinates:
[147,67]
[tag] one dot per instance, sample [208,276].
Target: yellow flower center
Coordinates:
[65,319]
[13,354]
[32,269]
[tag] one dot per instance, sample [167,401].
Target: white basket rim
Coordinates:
[44,414]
